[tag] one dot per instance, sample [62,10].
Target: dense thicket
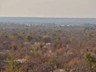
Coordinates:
[50,48]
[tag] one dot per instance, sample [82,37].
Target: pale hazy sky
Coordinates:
[48,8]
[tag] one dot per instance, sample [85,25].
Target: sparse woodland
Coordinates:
[49,48]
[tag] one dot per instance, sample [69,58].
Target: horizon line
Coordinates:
[46,17]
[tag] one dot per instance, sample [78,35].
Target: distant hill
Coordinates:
[57,21]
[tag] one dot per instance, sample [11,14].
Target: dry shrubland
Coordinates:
[38,48]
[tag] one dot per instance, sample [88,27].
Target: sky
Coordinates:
[48,8]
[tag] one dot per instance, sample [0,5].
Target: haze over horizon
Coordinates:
[48,8]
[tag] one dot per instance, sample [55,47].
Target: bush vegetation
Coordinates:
[41,48]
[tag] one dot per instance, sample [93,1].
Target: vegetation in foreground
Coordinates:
[48,48]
